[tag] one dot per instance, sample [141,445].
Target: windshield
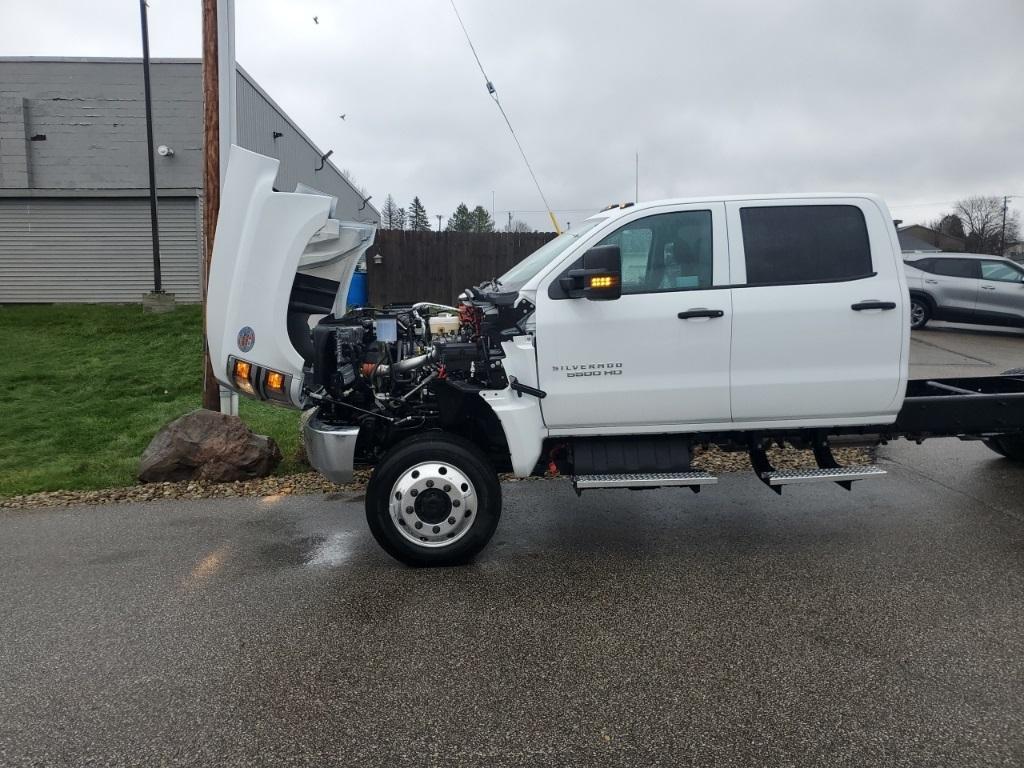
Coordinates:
[516,277]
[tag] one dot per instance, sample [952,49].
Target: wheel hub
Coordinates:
[433,504]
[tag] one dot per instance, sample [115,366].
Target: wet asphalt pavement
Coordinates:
[879,627]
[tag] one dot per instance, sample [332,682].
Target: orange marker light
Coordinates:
[241,373]
[275,381]
[242,370]
[602,281]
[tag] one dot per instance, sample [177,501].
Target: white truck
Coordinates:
[605,356]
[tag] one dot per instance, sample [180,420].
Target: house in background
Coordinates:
[74,182]
[916,238]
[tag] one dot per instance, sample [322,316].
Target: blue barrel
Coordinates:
[357,291]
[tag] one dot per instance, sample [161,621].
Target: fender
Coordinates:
[520,415]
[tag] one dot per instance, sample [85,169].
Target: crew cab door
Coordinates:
[819,303]
[659,354]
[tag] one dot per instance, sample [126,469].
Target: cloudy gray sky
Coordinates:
[921,101]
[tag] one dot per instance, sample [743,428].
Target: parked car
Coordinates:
[965,288]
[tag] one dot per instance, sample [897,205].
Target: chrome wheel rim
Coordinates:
[433,504]
[916,313]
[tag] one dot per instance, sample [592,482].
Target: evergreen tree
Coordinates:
[418,219]
[400,218]
[389,214]
[461,220]
[482,221]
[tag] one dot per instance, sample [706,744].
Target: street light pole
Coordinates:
[153,216]
[1002,231]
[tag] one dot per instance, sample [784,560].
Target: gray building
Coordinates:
[74,208]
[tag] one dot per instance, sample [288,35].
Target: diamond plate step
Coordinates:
[834,475]
[645,480]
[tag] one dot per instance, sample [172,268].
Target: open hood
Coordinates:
[278,258]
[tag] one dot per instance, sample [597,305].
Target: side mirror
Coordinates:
[600,279]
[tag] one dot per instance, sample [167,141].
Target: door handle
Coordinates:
[872,304]
[700,312]
[988,287]
[932,282]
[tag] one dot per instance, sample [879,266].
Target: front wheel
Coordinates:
[433,501]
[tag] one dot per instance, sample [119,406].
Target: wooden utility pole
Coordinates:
[211,179]
[218,135]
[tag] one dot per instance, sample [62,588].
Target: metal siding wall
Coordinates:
[95,250]
[257,121]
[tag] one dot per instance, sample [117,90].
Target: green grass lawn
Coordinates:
[84,388]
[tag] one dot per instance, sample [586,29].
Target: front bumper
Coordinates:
[331,449]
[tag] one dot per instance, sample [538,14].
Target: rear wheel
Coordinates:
[920,312]
[433,500]
[1010,446]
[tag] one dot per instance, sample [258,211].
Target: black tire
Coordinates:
[474,504]
[920,312]
[1009,446]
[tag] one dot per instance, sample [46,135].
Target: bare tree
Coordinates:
[518,225]
[982,220]
[349,178]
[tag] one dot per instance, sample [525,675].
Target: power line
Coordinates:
[494,95]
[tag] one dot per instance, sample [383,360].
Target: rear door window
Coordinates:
[956,268]
[805,244]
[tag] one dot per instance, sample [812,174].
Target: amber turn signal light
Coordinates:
[602,281]
[275,381]
[242,375]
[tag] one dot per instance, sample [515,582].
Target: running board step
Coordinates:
[831,475]
[692,480]
[828,471]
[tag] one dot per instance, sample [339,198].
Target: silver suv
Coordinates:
[965,288]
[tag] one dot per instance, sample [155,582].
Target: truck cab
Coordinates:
[606,356]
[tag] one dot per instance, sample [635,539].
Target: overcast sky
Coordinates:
[921,101]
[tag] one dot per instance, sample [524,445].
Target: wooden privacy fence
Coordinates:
[438,266]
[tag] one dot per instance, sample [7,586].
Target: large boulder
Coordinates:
[205,445]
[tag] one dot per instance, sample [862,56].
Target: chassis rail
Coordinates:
[977,406]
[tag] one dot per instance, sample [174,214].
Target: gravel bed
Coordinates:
[711,460]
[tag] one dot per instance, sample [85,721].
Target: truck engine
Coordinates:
[401,370]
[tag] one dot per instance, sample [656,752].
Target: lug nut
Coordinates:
[408,510]
[430,483]
[456,503]
[436,529]
[414,492]
[451,521]
[447,488]
[418,525]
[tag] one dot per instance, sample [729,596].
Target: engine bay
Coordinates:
[402,369]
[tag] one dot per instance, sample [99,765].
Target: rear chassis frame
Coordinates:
[975,407]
